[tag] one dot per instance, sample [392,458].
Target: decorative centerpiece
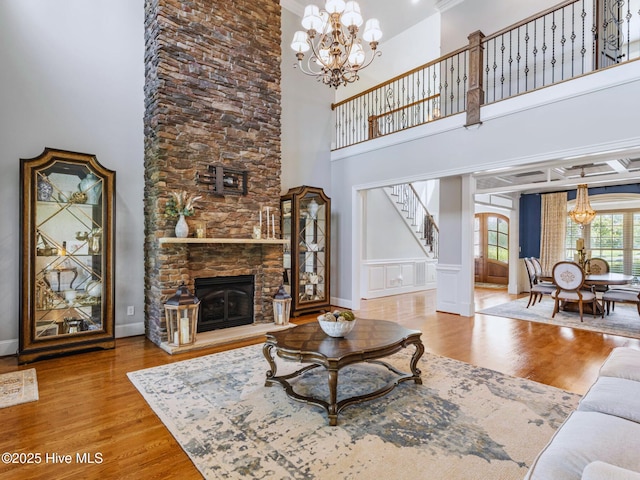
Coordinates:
[181,205]
[338,323]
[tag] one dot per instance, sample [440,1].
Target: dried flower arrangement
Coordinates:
[181,203]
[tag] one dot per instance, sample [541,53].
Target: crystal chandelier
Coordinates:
[582,213]
[331,34]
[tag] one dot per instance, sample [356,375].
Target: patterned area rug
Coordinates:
[624,320]
[464,422]
[18,387]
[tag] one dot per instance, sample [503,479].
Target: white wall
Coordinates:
[488,16]
[387,236]
[307,120]
[72,78]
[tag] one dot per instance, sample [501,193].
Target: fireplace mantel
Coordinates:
[268,241]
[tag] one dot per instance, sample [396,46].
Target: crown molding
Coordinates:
[444,5]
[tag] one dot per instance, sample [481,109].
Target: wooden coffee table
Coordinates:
[368,341]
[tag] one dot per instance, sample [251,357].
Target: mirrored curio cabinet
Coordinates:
[67,241]
[306,223]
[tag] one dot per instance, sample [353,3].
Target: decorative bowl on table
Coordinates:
[337,324]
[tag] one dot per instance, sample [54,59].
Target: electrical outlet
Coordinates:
[131,310]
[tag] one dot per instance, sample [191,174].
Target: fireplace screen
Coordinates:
[225,302]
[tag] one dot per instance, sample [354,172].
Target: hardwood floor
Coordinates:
[87,404]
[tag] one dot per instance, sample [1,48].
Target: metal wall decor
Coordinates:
[223,180]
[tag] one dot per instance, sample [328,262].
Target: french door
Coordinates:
[491,248]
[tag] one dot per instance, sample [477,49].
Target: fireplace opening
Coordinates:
[224,302]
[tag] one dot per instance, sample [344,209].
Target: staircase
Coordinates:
[416,217]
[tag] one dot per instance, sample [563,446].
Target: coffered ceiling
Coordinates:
[605,168]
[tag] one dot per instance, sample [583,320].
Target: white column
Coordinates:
[455,265]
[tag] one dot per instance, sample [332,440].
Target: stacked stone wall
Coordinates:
[212,97]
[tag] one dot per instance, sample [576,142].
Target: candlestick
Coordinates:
[273,225]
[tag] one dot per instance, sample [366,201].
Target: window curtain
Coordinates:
[553,227]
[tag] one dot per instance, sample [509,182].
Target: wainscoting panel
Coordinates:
[392,277]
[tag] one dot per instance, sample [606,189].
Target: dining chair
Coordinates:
[569,280]
[598,266]
[621,295]
[538,269]
[536,289]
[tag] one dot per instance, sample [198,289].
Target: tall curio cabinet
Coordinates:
[306,223]
[67,255]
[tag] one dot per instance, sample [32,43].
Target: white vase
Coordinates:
[182,227]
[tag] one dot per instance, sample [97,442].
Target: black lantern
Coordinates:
[181,313]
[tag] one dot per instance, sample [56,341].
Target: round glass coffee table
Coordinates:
[369,341]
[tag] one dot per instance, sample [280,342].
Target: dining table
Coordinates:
[593,279]
[609,278]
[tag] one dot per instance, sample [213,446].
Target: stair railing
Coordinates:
[423,222]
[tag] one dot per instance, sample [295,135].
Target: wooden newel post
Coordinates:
[475,94]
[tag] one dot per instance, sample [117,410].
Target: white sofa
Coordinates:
[600,440]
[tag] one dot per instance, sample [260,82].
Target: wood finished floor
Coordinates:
[88,405]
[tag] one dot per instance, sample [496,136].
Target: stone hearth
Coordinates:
[224,336]
[211,98]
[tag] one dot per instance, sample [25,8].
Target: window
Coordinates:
[498,239]
[614,236]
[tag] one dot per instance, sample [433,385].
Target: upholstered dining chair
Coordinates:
[597,266]
[621,295]
[536,289]
[569,280]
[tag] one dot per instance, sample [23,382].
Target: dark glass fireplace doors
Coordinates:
[224,302]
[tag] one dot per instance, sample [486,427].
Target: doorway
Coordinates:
[491,248]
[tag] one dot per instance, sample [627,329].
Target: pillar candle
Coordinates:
[184,330]
[273,225]
[579,243]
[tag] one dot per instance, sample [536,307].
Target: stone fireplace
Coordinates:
[211,98]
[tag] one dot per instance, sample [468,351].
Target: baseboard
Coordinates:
[341,302]
[8,347]
[401,291]
[129,330]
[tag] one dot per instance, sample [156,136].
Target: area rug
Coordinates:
[624,320]
[18,387]
[463,422]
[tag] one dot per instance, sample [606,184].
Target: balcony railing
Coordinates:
[564,42]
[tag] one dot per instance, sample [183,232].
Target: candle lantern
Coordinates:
[181,314]
[281,306]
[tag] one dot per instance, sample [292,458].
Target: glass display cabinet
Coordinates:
[67,271]
[306,223]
